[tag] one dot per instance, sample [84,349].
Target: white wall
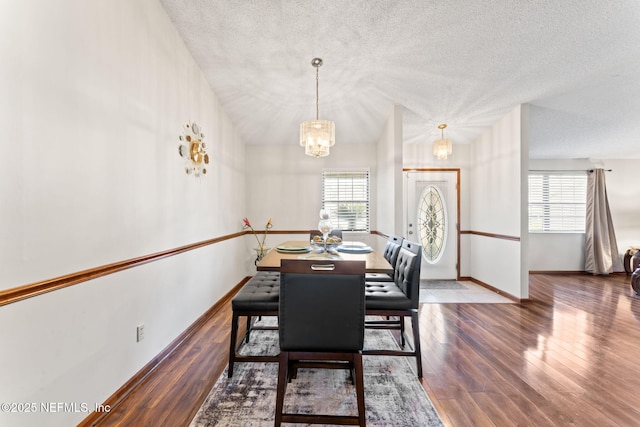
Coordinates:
[286,185]
[498,167]
[525,132]
[94,96]
[624,200]
[389,188]
[565,251]
[556,251]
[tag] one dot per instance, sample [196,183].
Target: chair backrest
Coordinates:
[321,305]
[407,271]
[337,233]
[392,248]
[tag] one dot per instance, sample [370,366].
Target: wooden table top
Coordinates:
[375,262]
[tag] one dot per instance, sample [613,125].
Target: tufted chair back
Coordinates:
[392,249]
[407,271]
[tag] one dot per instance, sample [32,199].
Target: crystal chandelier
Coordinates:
[442,147]
[317,136]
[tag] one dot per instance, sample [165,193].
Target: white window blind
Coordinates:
[346,196]
[557,202]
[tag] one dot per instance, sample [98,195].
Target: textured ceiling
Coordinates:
[464,62]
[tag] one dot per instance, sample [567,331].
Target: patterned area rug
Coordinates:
[393,395]
[440,284]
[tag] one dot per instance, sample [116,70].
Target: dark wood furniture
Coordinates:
[321,321]
[374,261]
[260,296]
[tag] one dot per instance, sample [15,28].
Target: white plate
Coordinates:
[293,249]
[355,249]
[355,244]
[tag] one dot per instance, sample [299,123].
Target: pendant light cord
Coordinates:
[317,92]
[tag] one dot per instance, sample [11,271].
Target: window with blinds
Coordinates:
[346,196]
[557,202]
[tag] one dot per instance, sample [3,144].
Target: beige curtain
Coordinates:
[601,256]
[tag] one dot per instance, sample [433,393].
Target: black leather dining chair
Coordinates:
[391,250]
[258,297]
[398,298]
[321,320]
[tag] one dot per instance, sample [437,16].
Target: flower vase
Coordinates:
[261,251]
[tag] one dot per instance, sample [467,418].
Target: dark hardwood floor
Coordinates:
[570,357]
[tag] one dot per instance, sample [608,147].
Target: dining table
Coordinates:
[375,262]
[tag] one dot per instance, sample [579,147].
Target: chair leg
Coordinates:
[232,344]
[402,331]
[357,362]
[246,335]
[283,367]
[416,341]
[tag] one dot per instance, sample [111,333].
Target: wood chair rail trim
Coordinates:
[492,235]
[19,293]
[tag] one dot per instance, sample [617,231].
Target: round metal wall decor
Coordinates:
[193,150]
[432,223]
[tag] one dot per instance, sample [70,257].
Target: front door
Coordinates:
[432,221]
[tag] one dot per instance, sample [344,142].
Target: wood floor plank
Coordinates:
[500,409]
[568,357]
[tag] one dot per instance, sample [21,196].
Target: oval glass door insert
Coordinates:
[432,223]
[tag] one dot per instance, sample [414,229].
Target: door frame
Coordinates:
[457,172]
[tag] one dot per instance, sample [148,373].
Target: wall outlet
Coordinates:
[140,332]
